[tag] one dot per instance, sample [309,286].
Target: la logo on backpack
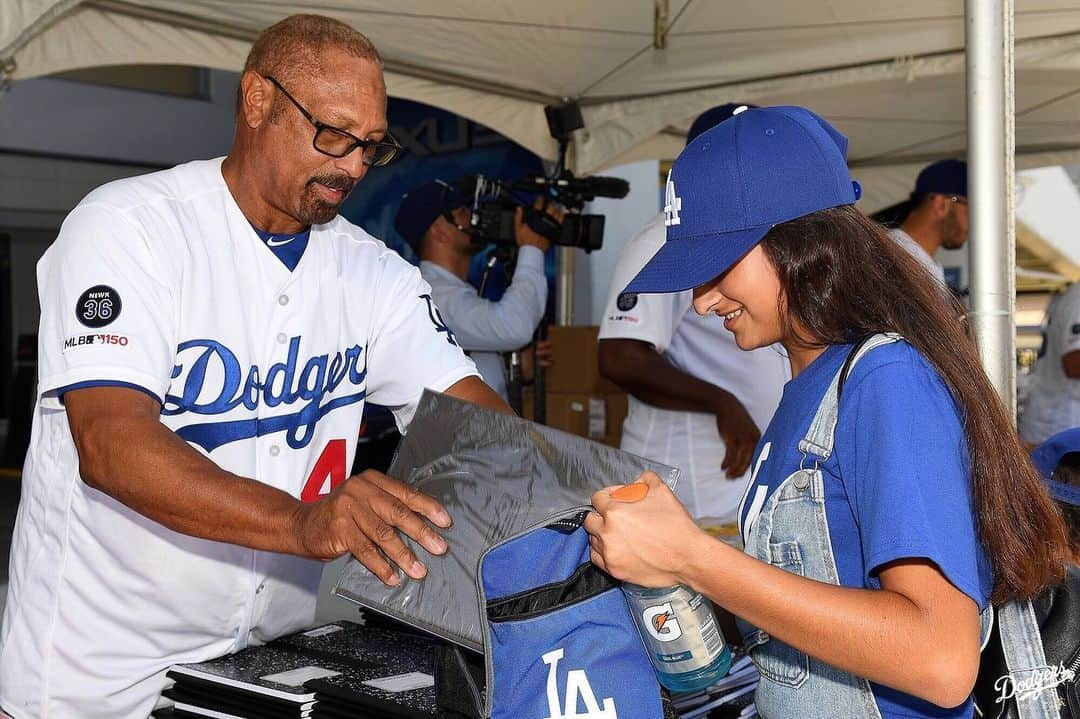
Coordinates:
[577,689]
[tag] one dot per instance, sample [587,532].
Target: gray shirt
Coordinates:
[916,250]
[484,328]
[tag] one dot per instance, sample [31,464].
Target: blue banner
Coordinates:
[438,145]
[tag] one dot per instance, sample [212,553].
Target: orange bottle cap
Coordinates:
[631,492]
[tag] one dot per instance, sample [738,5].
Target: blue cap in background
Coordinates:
[422,206]
[1048,455]
[736,181]
[945,177]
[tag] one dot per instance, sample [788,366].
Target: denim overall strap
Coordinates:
[791,532]
[1021,642]
[819,439]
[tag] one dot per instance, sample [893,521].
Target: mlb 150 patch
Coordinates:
[94,339]
[98,306]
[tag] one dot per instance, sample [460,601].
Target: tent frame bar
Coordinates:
[907,62]
[244,34]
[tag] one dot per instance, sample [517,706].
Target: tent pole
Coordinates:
[990,118]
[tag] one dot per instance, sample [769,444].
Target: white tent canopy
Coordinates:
[889,75]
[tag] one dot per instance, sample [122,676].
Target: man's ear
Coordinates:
[941,205]
[256,99]
[437,232]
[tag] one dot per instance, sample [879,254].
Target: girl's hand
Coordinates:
[645,542]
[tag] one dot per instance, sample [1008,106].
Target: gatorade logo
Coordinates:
[661,623]
[674,204]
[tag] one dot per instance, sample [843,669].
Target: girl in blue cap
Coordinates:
[890,501]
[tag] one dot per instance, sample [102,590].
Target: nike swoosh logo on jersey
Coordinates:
[275,242]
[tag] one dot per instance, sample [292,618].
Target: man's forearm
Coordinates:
[643,372]
[141,463]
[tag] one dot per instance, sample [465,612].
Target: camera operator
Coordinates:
[434,220]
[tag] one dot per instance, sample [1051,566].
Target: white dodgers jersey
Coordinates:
[160,284]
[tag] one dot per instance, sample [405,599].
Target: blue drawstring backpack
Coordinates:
[559,638]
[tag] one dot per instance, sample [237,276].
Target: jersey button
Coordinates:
[282,338]
[275,450]
[283,300]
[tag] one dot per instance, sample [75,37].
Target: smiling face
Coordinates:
[346,92]
[748,298]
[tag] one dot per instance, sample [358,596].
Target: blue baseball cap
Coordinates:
[738,180]
[714,116]
[944,177]
[1048,455]
[422,206]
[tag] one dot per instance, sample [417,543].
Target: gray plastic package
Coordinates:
[497,475]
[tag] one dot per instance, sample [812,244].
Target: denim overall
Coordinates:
[792,532]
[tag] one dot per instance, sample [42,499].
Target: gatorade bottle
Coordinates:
[677,626]
[680,634]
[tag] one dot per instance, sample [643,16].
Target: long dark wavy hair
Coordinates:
[842,278]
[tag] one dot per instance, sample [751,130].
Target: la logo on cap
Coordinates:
[674,203]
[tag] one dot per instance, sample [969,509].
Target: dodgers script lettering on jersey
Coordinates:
[309,385]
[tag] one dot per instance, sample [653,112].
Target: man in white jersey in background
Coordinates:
[697,401]
[938,216]
[434,220]
[1053,405]
[209,335]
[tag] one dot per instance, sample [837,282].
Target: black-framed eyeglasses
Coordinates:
[335,142]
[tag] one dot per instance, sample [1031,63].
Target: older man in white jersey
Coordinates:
[209,335]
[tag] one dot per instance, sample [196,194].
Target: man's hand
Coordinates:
[740,436]
[525,235]
[639,369]
[538,354]
[363,516]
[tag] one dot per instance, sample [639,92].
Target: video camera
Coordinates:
[493,203]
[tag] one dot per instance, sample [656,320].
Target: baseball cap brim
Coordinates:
[1048,454]
[689,262]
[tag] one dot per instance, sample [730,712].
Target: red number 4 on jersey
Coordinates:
[328,472]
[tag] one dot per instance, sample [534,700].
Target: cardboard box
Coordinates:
[596,416]
[575,368]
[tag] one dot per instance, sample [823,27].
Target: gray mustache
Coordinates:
[334,182]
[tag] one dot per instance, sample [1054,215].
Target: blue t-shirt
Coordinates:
[898,484]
